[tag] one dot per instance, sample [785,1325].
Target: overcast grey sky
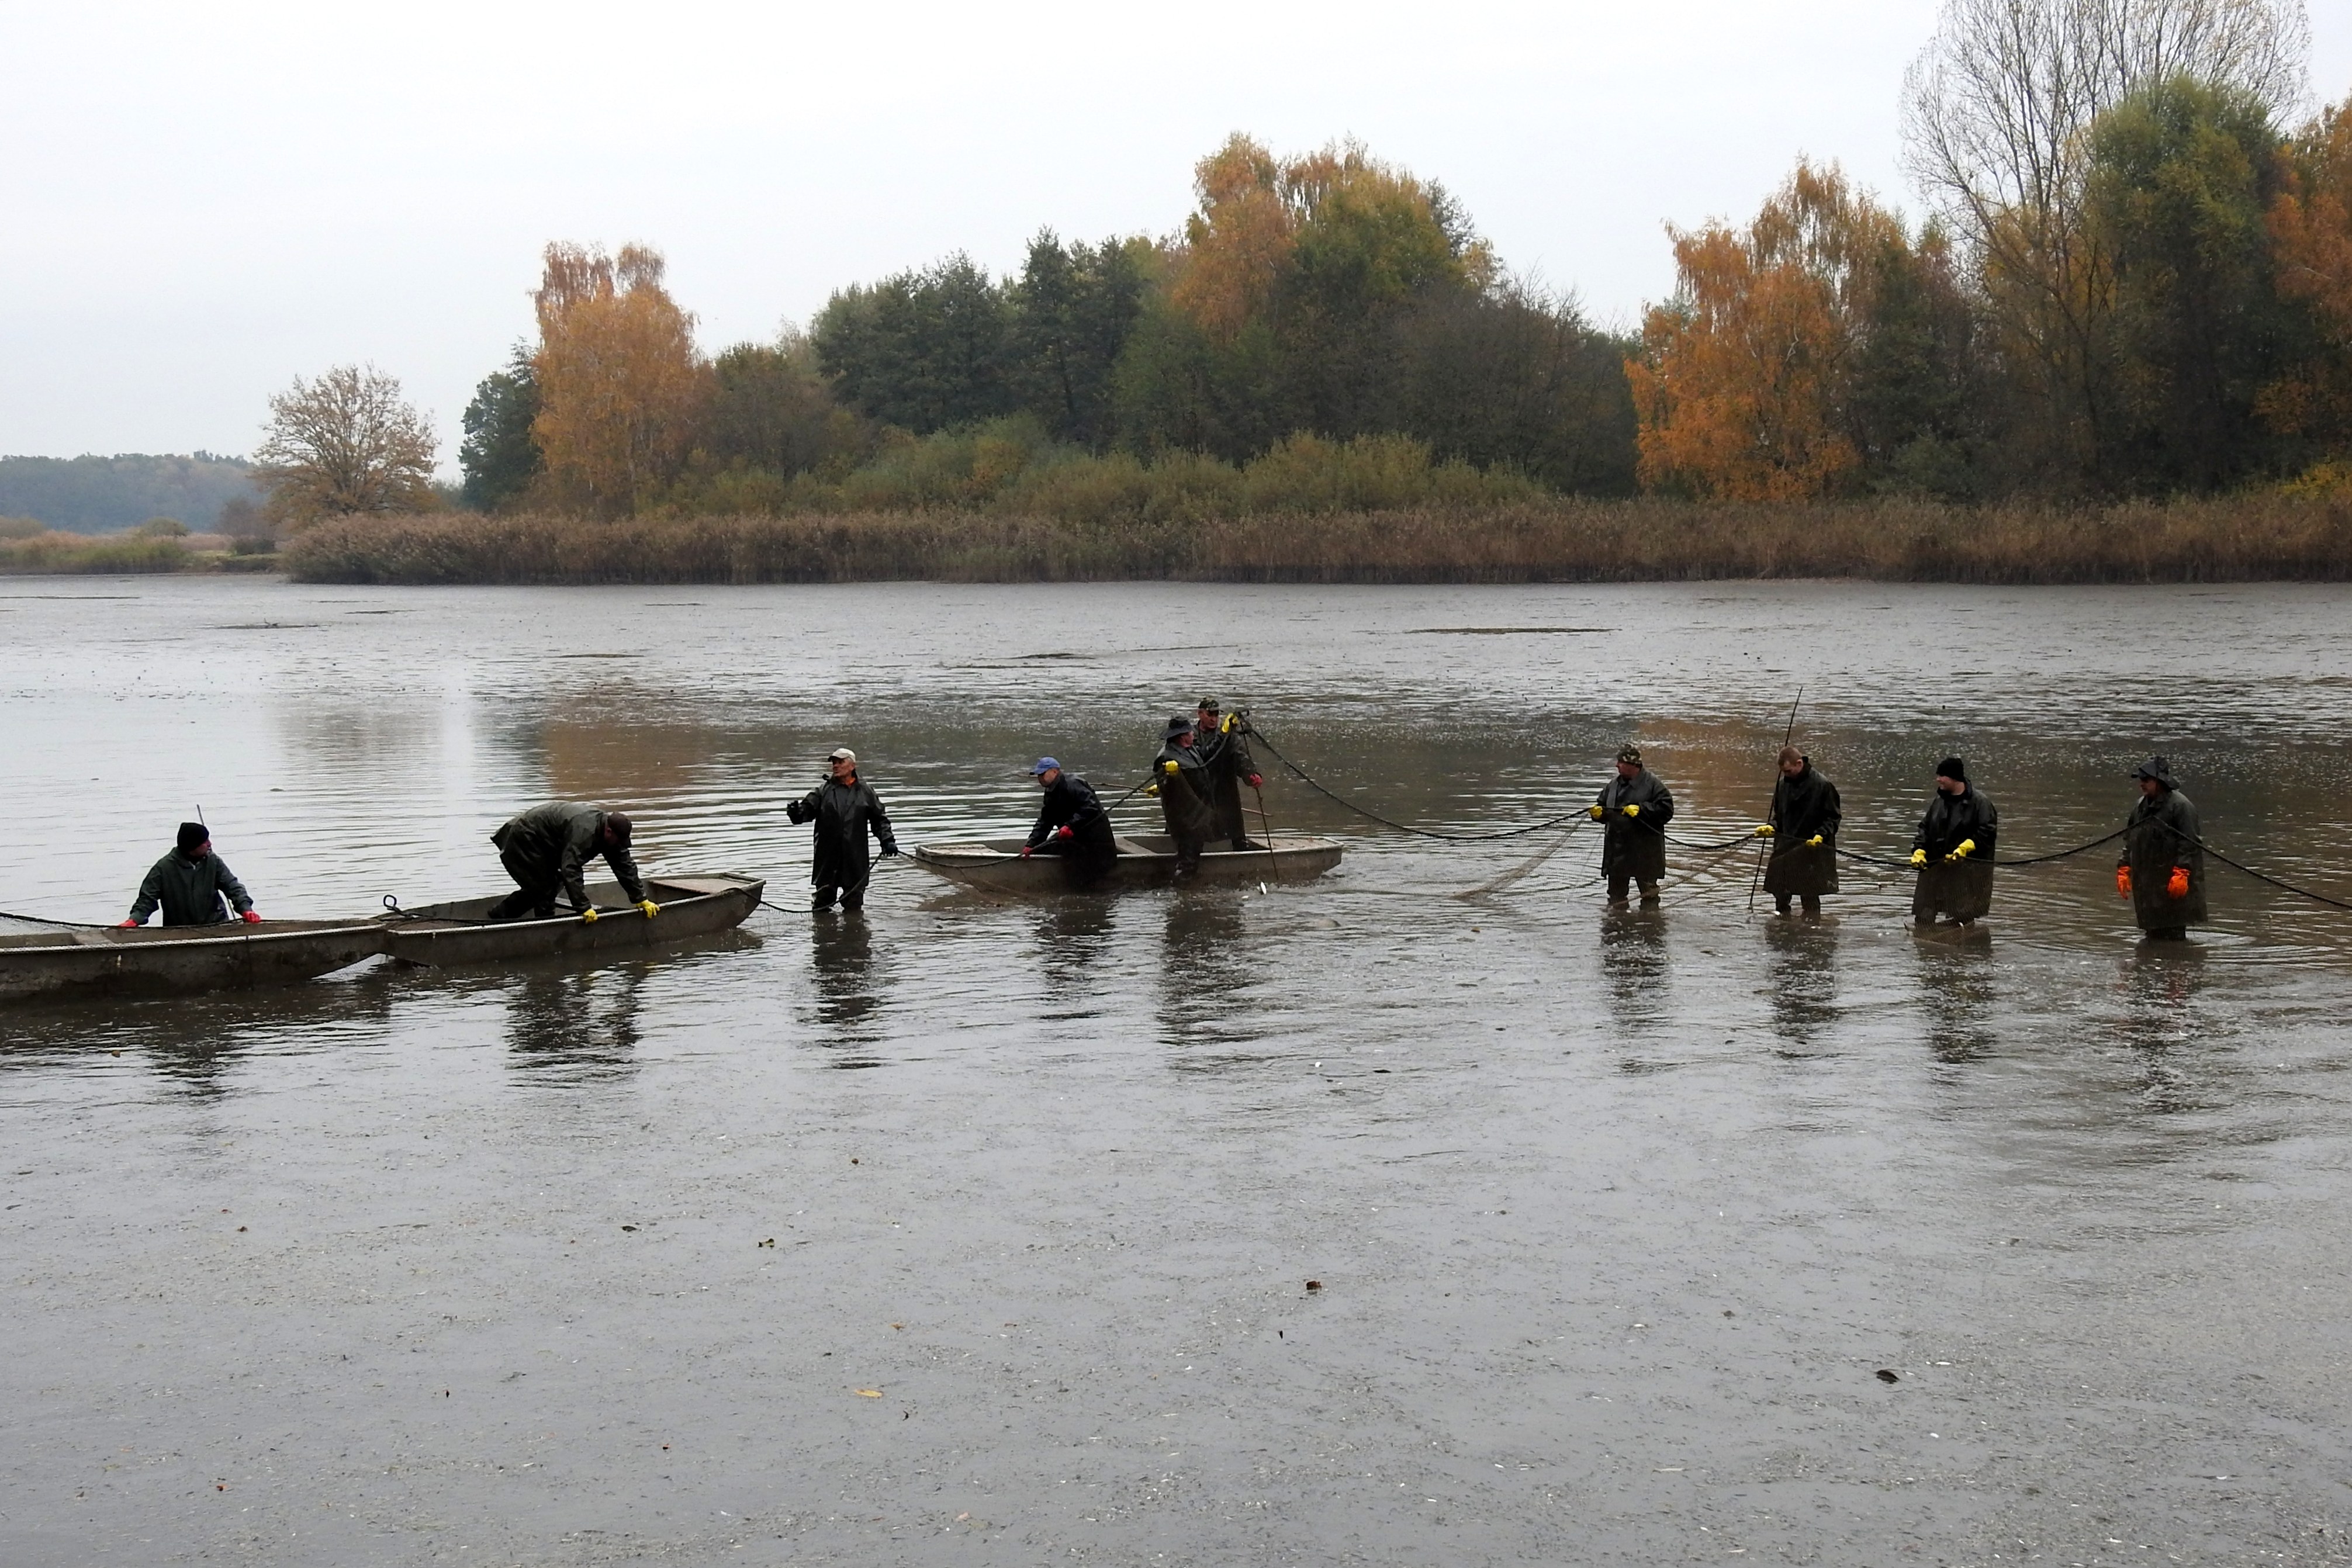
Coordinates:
[204,201]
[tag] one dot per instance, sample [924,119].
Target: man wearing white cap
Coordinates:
[845,808]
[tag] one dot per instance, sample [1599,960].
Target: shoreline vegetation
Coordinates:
[2241,538]
[160,546]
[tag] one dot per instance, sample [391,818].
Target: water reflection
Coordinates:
[1802,980]
[2161,1023]
[1633,964]
[585,1021]
[847,989]
[1072,934]
[195,1045]
[1956,979]
[1201,959]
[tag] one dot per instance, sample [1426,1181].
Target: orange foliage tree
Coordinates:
[621,386]
[1744,381]
[2311,241]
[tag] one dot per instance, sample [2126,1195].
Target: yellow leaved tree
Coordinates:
[620,382]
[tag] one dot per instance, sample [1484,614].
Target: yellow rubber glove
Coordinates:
[1633,810]
[588,916]
[1967,847]
[1918,857]
[649,906]
[1171,768]
[1814,842]
[1765,829]
[1152,789]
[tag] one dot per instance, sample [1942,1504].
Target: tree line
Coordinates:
[2134,276]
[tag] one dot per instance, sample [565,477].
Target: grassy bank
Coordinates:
[2238,539]
[60,554]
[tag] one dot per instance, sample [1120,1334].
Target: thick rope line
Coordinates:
[44,920]
[1844,853]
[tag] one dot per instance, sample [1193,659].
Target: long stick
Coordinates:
[1266,828]
[1761,845]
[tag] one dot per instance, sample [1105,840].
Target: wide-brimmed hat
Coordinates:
[1177,726]
[2157,769]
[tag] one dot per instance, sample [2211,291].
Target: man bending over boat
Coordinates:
[189,884]
[1072,824]
[546,849]
[844,808]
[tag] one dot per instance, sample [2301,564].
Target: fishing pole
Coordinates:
[1787,736]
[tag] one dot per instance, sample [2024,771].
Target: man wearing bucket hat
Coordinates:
[1181,783]
[1071,823]
[1633,809]
[2162,869]
[189,884]
[846,809]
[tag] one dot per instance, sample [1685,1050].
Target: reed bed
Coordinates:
[2243,538]
[54,554]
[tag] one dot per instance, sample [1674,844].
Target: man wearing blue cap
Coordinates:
[1072,824]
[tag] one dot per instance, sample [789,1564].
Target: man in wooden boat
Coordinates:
[547,849]
[1803,827]
[190,885]
[845,808]
[1952,851]
[1217,736]
[2162,869]
[1633,809]
[1071,823]
[1181,783]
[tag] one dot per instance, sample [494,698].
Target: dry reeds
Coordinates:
[2248,537]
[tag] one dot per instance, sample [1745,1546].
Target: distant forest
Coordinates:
[94,494]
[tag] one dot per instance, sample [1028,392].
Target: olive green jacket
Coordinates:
[553,842]
[190,891]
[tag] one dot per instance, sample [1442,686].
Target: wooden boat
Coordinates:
[162,960]
[462,932]
[1143,861]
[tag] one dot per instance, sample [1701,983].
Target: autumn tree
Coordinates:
[620,382]
[1747,383]
[2311,240]
[345,443]
[1998,111]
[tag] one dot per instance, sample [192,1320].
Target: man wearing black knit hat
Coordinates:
[190,885]
[1952,851]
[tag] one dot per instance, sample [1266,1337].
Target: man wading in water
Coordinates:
[2162,870]
[189,884]
[1803,829]
[1635,808]
[844,808]
[1953,850]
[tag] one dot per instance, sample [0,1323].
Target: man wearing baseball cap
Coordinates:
[1071,823]
[845,808]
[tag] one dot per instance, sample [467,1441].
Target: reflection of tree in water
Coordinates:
[847,989]
[1204,964]
[1072,933]
[1956,980]
[1803,979]
[585,1020]
[2160,983]
[1633,964]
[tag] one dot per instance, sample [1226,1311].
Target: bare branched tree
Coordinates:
[345,443]
[1996,115]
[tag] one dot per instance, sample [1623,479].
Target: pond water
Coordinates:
[979,1229]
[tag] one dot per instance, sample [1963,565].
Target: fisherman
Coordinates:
[189,884]
[2162,870]
[1181,782]
[1217,736]
[1072,824]
[1803,829]
[1636,809]
[1953,850]
[845,808]
[547,849]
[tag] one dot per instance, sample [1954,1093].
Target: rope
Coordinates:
[43,920]
[1308,779]
[1844,853]
[2258,876]
[1710,849]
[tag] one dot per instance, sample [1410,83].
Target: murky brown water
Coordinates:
[1616,1221]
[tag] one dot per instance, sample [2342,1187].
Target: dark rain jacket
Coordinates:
[843,815]
[2163,834]
[550,846]
[1635,846]
[1070,802]
[1226,756]
[190,891]
[1184,794]
[1960,889]
[1803,807]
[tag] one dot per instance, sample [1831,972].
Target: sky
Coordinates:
[200,204]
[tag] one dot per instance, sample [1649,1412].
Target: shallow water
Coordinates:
[1616,1220]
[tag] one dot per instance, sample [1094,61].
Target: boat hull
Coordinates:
[1144,861]
[448,935]
[169,961]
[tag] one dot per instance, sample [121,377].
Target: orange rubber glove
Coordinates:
[2123,881]
[126,925]
[2176,887]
